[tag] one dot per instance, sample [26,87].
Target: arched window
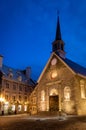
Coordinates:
[42,95]
[83,89]
[67,93]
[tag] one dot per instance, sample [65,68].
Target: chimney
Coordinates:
[28,72]
[1,61]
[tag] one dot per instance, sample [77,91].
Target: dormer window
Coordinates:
[20,78]
[10,75]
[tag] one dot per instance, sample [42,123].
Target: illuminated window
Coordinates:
[6,106]
[67,93]
[25,108]
[19,107]
[13,107]
[54,74]
[42,95]
[83,89]
[42,100]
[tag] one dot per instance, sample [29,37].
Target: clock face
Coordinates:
[54,61]
[54,74]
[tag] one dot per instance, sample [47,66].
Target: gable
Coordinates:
[51,62]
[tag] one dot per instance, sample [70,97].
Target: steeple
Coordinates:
[58,44]
[58,32]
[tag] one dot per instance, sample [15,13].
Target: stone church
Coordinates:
[62,84]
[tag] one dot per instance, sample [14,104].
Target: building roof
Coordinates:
[17,75]
[75,67]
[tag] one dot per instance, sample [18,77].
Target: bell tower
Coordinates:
[58,44]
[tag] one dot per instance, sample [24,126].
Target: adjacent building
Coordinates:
[62,84]
[15,89]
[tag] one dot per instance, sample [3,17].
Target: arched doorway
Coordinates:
[53,100]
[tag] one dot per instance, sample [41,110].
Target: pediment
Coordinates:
[54,61]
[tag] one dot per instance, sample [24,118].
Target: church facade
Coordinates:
[62,84]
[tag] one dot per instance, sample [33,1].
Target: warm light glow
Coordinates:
[53,92]
[67,96]
[43,98]
[19,107]
[6,106]
[54,74]
[42,95]
[7,103]
[13,107]
[83,89]
[42,106]
[2,99]
[67,93]
[25,108]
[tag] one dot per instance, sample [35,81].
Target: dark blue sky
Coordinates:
[28,27]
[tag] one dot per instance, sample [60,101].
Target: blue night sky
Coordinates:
[28,27]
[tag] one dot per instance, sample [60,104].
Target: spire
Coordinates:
[58,32]
[58,44]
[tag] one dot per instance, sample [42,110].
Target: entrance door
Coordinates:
[54,103]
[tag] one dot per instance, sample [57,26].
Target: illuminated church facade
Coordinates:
[61,85]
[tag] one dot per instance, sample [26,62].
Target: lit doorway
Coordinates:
[54,103]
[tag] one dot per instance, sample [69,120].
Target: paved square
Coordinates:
[26,122]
